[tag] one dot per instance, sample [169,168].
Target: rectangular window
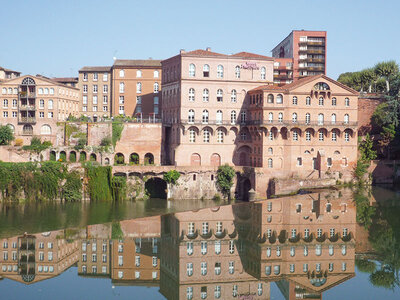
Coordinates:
[217,247]
[105,77]
[137,261]
[189,248]
[120,260]
[105,89]
[84,100]
[85,76]
[95,88]
[85,88]
[50,115]
[203,247]
[105,99]
[139,100]
[95,76]
[94,99]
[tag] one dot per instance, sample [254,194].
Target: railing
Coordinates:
[27,107]
[27,119]
[299,123]
[27,95]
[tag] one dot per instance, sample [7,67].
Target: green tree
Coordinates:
[366,149]
[225,176]
[6,135]
[386,70]
[368,78]
[171,177]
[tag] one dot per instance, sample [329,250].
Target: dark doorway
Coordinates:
[246,186]
[156,188]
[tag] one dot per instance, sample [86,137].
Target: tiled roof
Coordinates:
[138,63]
[65,79]
[269,87]
[95,69]
[9,70]
[251,55]
[201,52]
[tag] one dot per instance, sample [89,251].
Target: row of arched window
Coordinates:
[206,135]
[220,71]
[218,118]
[257,98]
[321,118]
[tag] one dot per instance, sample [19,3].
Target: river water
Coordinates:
[324,245]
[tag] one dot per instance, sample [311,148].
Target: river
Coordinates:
[329,244]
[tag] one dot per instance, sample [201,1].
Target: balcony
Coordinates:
[27,95]
[27,120]
[27,107]
[315,51]
[291,123]
[282,76]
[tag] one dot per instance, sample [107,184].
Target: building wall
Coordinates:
[130,101]
[87,101]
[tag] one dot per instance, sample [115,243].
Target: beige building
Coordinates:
[136,88]
[95,92]
[204,99]
[8,74]
[33,105]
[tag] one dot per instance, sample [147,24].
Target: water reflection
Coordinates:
[306,244]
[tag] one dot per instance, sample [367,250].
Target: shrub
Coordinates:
[106,141]
[172,176]
[37,146]
[117,128]
[80,144]
[19,142]
[6,135]
[72,157]
[134,159]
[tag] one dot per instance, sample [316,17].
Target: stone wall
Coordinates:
[292,185]
[366,107]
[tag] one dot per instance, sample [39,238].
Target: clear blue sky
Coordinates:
[57,38]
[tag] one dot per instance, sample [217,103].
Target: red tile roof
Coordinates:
[201,52]
[250,55]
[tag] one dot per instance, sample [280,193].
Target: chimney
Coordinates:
[182,51]
[208,49]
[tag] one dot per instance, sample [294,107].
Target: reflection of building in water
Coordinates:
[306,243]
[32,258]
[95,251]
[200,259]
[135,259]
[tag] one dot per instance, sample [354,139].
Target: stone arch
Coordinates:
[215,160]
[296,129]
[195,160]
[134,159]
[53,155]
[93,157]
[350,131]
[242,156]
[156,188]
[311,130]
[82,156]
[72,156]
[209,129]
[12,127]
[284,133]
[224,130]
[119,159]
[195,128]
[149,159]
[233,130]
[106,161]
[63,156]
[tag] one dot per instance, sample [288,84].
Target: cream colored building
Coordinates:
[32,106]
[95,92]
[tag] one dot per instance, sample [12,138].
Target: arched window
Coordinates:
[156,87]
[192,70]
[263,73]
[220,136]
[156,74]
[121,73]
[233,117]
[219,117]
[121,87]
[334,101]
[294,100]
[12,127]
[138,87]
[321,101]
[138,73]
[50,104]
[206,135]
[321,135]
[191,94]
[270,163]
[333,119]
[346,102]
[192,135]
[219,95]
[205,116]
[40,91]
[308,135]
[270,151]
[308,101]
[191,116]
[14,103]
[308,118]
[220,71]
[46,91]
[294,118]
[270,117]
[237,72]
[280,117]
[5,103]
[205,95]
[279,99]
[206,70]
[321,119]
[270,98]
[45,129]
[243,117]
[346,119]
[233,96]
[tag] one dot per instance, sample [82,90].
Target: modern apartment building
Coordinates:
[32,106]
[302,53]
[95,92]
[136,88]
[204,102]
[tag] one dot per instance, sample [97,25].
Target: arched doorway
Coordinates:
[93,157]
[215,160]
[246,186]
[82,156]
[195,160]
[156,188]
